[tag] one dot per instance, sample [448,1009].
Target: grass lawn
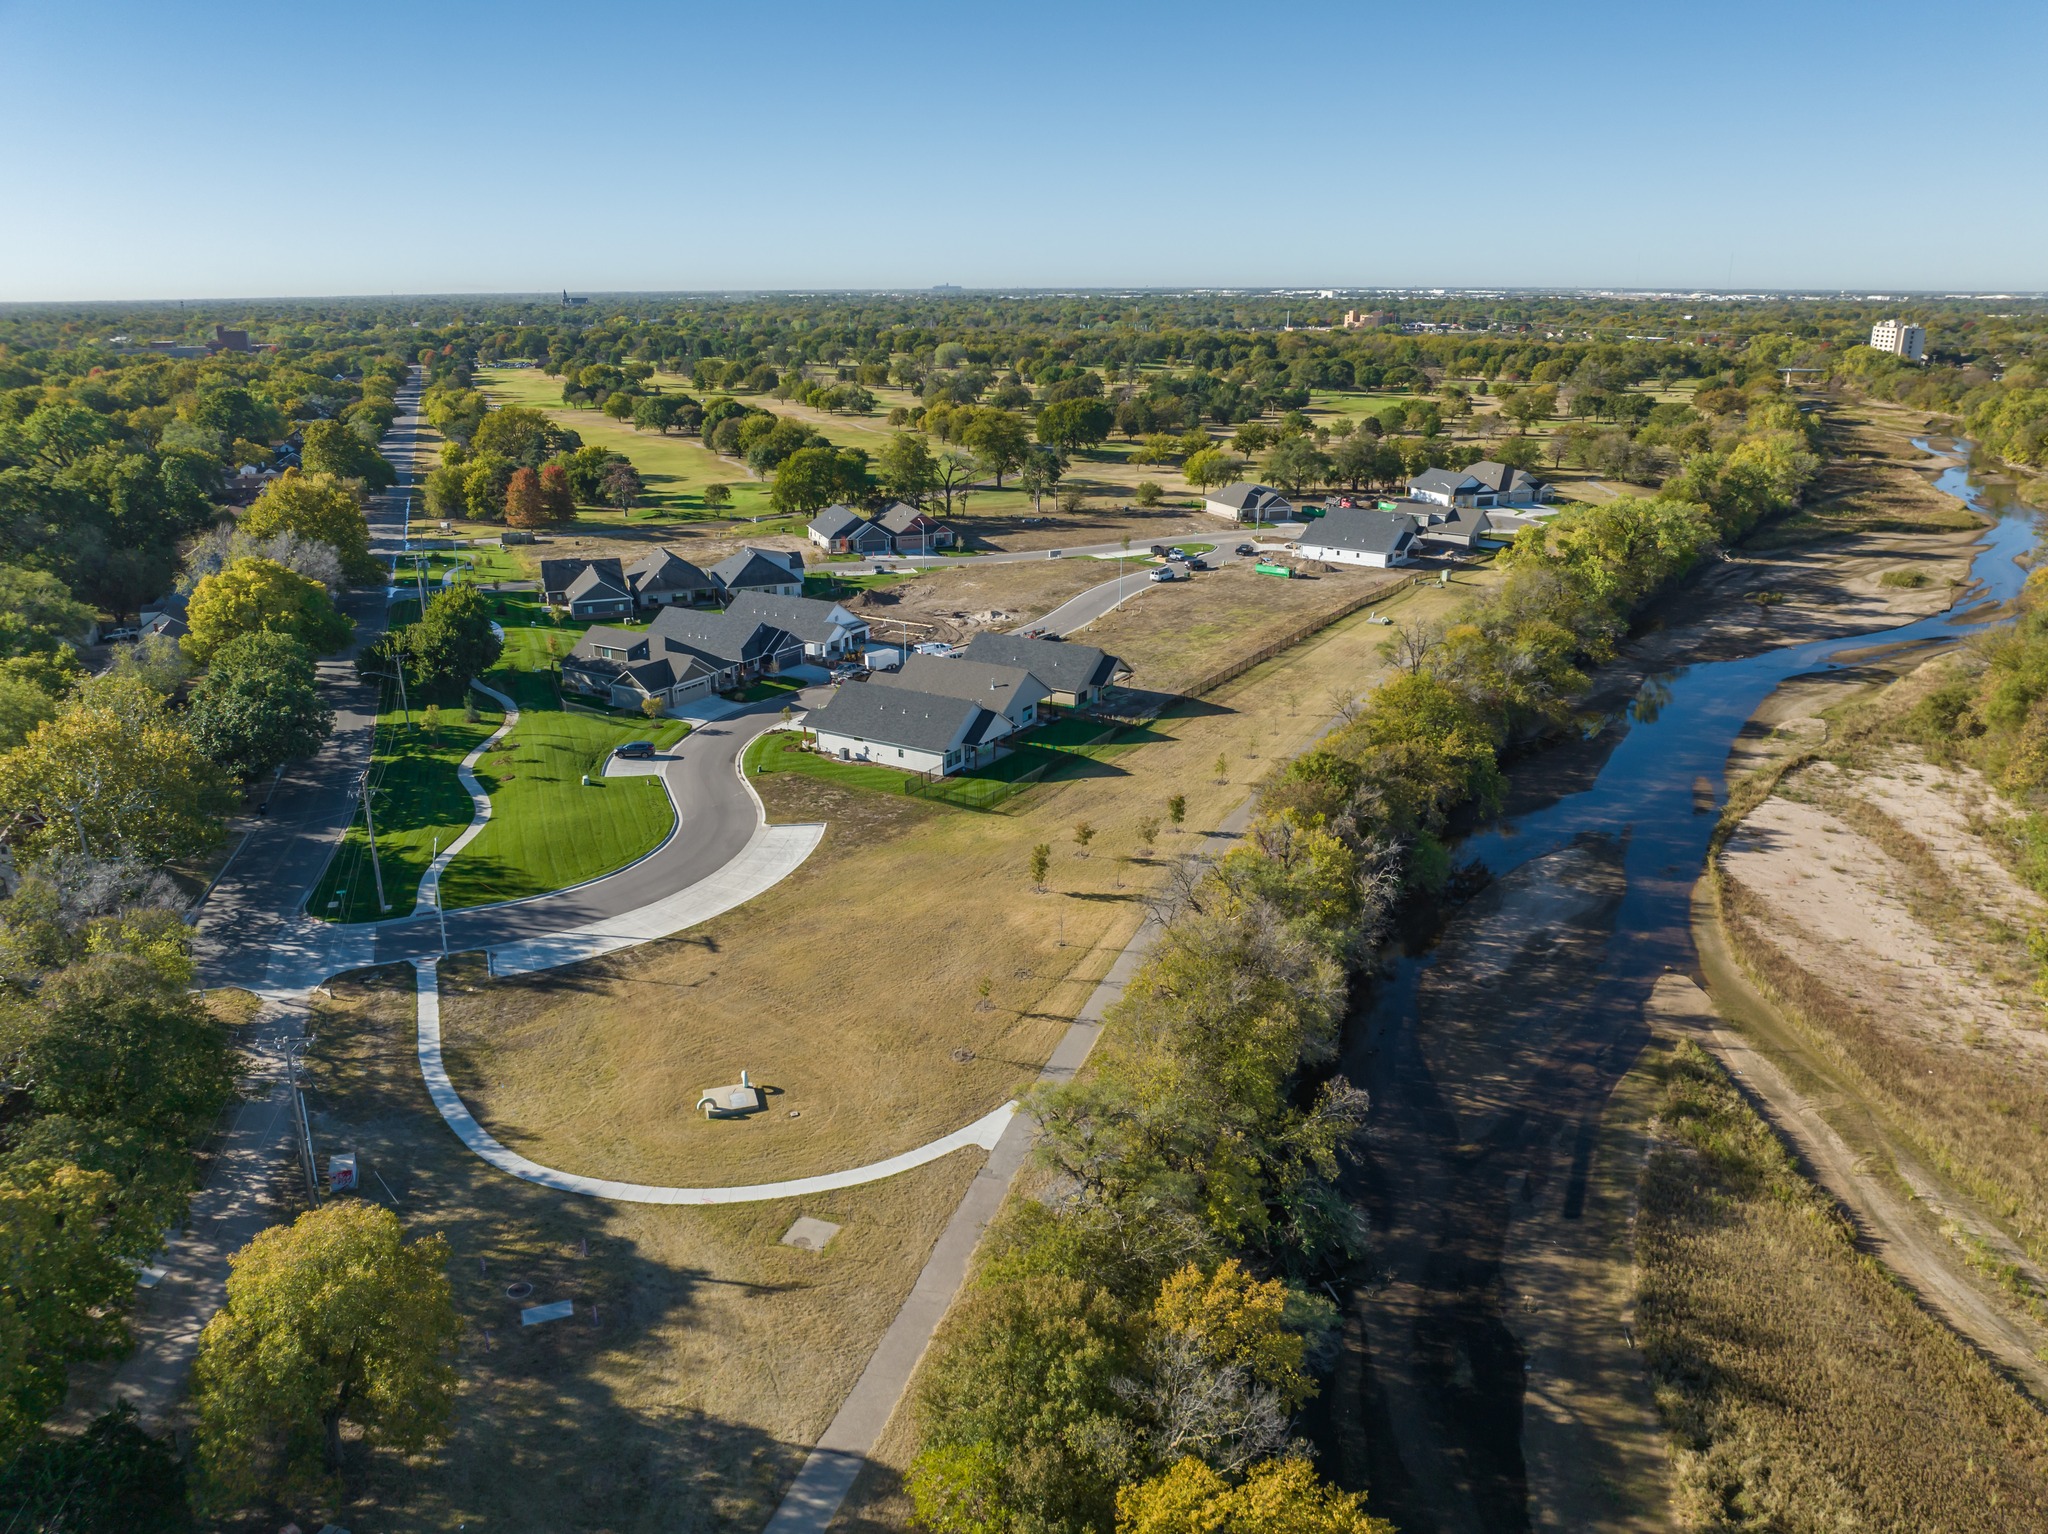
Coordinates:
[547,829]
[761,689]
[830,587]
[419,804]
[676,467]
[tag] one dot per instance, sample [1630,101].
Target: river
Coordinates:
[1426,1409]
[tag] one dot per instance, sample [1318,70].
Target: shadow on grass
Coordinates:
[557,1426]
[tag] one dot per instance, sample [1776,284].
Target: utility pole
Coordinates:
[439,909]
[376,868]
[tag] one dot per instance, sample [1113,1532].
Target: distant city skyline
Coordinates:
[227,150]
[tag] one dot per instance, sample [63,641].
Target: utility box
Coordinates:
[1267,567]
[341,1173]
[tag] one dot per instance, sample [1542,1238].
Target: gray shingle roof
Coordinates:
[835,522]
[896,716]
[596,585]
[750,567]
[1443,481]
[1362,529]
[664,570]
[991,685]
[901,517]
[559,574]
[809,619]
[1501,479]
[1243,494]
[1061,667]
[723,638]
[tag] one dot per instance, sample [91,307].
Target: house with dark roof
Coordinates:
[768,571]
[828,631]
[841,530]
[588,588]
[164,616]
[1485,483]
[624,666]
[665,579]
[1361,535]
[735,646]
[912,532]
[1244,502]
[1073,675]
[897,727]
[1010,691]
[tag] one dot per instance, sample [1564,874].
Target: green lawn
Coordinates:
[676,468]
[419,804]
[547,829]
[830,587]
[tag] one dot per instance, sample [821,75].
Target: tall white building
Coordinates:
[1900,339]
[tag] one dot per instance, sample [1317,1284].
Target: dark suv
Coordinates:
[635,749]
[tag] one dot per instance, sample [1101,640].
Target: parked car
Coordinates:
[849,673]
[1166,573]
[1196,562]
[1244,551]
[635,750]
[1158,551]
[120,636]
[1177,552]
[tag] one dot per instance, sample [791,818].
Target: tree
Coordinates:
[523,504]
[557,497]
[906,469]
[453,642]
[1000,440]
[1518,452]
[1084,833]
[258,706]
[1211,466]
[813,478]
[1041,472]
[332,447]
[717,496]
[255,593]
[1177,808]
[1279,1494]
[522,436]
[1148,494]
[1075,423]
[317,507]
[115,775]
[37,612]
[1297,463]
[1041,861]
[952,473]
[330,1319]
[623,486]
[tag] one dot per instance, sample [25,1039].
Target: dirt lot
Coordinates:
[1174,634]
[954,602]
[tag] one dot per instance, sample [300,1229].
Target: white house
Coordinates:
[1485,483]
[917,731]
[828,631]
[1243,502]
[1360,535]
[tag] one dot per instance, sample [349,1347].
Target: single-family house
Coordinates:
[588,588]
[624,667]
[828,631]
[841,530]
[771,572]
[1243,502]
[735,646]
[1073,675]
[1010,691]
[664,579]
[912,532]
[1508,486]
[1485,483]
[1462,527]
[917,731]
[1361,535]
[165,616]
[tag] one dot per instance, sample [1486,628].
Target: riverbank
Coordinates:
[1491,1379]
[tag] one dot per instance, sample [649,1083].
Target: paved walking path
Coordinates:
[479,801]
[814,1498]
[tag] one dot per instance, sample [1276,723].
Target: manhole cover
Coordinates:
[518,1291]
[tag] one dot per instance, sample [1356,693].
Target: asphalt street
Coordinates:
[1078,612]
[282,851]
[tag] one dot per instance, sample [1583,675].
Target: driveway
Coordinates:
[1078,612]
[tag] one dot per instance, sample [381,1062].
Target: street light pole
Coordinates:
[376,868]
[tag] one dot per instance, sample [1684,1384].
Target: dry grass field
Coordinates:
[704,1357]
[1802,1389]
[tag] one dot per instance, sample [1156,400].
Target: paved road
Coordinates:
[282,852]
[1080,611]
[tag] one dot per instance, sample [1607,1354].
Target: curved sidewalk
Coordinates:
[983,1132]
[479,801]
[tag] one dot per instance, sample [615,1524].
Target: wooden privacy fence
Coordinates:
[1293,637]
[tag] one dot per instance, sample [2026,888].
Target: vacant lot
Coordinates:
[704,1356]
[1801,1388]
[1175,634]
[955,601]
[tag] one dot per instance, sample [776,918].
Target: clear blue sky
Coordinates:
[208,149]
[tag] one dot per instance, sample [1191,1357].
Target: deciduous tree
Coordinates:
[523,504]
[332,447]
[331,1319]
[254,593]
[318,507]
[258,705]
